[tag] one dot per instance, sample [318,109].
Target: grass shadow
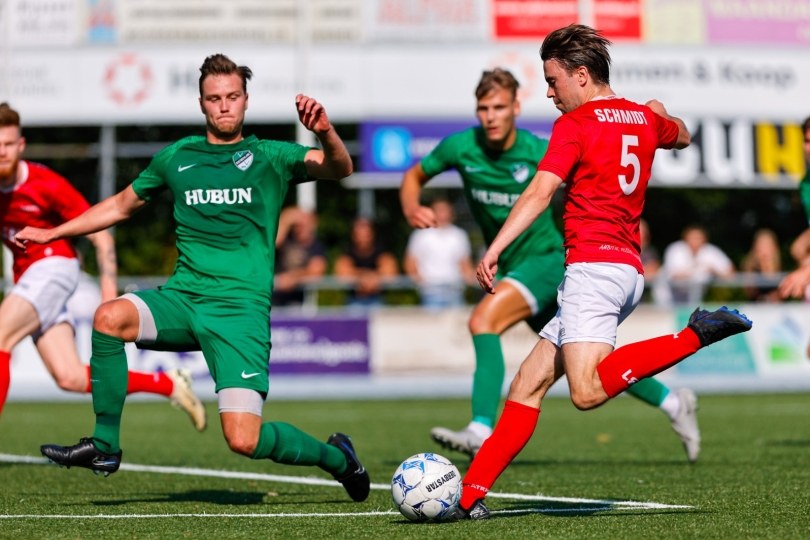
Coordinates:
[790,443]
[583,509]
[210,496]
[599,462]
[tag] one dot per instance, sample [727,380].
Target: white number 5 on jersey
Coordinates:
[629,159]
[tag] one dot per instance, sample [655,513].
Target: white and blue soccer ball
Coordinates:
[426,487]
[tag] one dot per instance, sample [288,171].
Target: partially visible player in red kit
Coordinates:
[602,148]
[45,277]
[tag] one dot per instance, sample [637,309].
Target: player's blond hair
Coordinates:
[496,78]
[578,45]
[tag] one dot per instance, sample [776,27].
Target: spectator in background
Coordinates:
[651,262]
[366,264]
[300,256]
[650,259]
[797,283]
[800,248]
[764,259]
[439,259]
[691,263]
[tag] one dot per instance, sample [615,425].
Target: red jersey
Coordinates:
[603,151]
[44,199]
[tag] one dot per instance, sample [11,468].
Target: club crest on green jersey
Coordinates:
[520,172]
[243,159]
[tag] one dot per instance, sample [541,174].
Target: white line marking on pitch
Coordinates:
[151,516]
[600,504]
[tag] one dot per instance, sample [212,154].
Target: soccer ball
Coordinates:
[426,487]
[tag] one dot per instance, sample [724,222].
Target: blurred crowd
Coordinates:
[438,265]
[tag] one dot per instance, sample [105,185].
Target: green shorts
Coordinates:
[232,333]
[537,277]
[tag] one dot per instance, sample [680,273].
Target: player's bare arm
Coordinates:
[795,284]
[98,217]
[417,215]
[531,203]
[104,244]
[683,134]
[333,161]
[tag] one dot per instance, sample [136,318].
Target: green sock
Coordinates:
[649,390]
[285,443]
[108,374]
[488,378]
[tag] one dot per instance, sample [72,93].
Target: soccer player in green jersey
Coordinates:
[496,161]
[228,191]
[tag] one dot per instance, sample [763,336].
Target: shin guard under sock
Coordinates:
[285,443]
[108,375]
[512,432]
[488,378]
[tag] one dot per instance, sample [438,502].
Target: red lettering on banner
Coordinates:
[532,19]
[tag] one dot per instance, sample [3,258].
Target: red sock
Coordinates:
[89,388]
[153,383]
[5,376]
[512,432]
[635,361]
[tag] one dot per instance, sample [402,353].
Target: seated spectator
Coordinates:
[438,259]
[765,260]
[300,256]
[691,263]
[365,264]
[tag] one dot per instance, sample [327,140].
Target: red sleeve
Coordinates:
[667,131]
[564,148]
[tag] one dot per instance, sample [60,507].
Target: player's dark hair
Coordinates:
[8,116]
[219,64]
[496,78]
[806,125]
[579,45]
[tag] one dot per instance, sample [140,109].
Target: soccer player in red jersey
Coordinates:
[602,148]
[45,277]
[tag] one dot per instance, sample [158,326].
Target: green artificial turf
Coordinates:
[616,472]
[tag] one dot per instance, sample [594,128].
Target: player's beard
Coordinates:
[8,173]
[225,133]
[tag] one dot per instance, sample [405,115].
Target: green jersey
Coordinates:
[493,181]
[227,201]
